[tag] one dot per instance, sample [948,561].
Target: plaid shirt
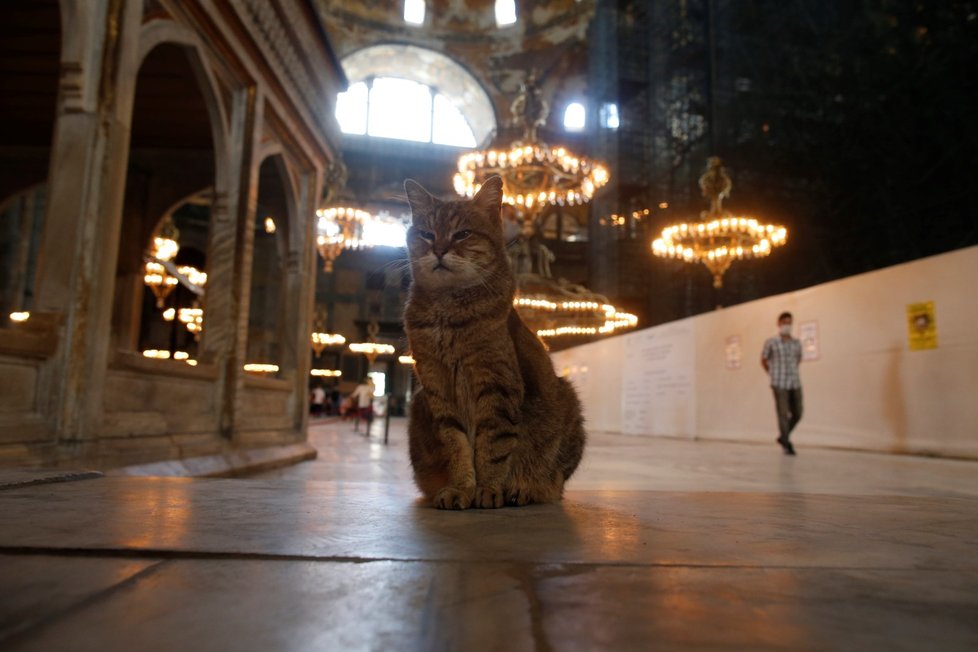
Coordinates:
[782,358]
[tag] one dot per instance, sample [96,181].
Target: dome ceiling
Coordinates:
[549,38]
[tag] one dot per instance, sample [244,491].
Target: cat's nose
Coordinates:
[439,251]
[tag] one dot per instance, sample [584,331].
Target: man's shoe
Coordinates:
[788,448]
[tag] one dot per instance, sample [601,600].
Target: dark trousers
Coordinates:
[787,402]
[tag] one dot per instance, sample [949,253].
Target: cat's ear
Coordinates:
[490,195]
[421,200]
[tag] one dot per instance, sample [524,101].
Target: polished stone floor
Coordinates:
[659,544]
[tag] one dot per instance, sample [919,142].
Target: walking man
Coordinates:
[780,360]
[363,397]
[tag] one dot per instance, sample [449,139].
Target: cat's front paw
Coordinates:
[453,498]
[489,497]
[518,496]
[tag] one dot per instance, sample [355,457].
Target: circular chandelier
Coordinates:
[371,348]
[574,317]
[160,275]
[155,276]
[720,237]
[325,373]
[339,228]
[319,338]
[534,173]
[536,176]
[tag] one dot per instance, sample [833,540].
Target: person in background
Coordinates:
[317,401]
[780,359]
[363,397]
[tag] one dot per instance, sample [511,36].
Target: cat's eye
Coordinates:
[461,235]
[426,235]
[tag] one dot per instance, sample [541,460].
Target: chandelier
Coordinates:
[339,228]
[537,176]
[193,319]
[720,237]
[534,173]
[371,348]
[155,275]
[161,275]
[325,373]
[321,339]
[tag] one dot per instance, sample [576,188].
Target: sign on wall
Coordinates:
[921,326]
[732,352]
[658,395]
[808,334]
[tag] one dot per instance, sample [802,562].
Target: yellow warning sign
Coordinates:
[921,326]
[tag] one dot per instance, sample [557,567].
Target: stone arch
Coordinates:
[173,153]
[291,243]
[270,261]
[160,32]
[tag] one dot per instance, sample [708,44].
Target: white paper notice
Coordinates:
[808,334]
[657,387]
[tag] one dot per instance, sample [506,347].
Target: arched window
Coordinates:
[574,117]
[410,93]
[505,12]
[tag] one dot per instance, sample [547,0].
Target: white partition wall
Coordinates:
[864,388]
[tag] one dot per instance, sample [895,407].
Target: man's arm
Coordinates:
[765,354]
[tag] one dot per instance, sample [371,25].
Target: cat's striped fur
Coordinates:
[493,425]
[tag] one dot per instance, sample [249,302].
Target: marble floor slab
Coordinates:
[387,605]
[659,544]
[261,518]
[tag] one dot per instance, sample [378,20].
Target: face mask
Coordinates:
[785,329]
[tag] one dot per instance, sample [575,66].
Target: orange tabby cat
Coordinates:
[493,425]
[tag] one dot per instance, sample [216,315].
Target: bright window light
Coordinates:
[574,117]
[380,382]
[414,12]
[505,12]
[385,231]
[400,108]
[609,115]
[351,109]
[449,125]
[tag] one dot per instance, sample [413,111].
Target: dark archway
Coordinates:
[30,66]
